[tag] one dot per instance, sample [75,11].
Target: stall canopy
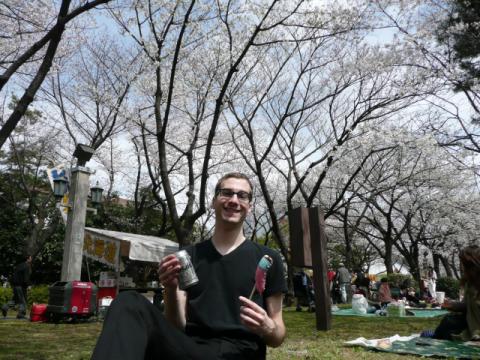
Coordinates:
[108,246]
[378,268]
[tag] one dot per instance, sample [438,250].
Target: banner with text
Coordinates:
[102,249]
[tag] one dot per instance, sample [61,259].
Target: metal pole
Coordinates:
[74,233]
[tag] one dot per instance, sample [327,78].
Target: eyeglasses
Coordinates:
[243,196]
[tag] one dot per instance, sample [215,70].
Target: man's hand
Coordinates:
[446,305]
[168,270]
[174,299]
[256,318]
[267,324]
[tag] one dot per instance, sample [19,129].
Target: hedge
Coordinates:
[450,286]
[37,294]
[399,280]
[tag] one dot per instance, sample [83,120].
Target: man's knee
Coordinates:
[129,300]
[450,324]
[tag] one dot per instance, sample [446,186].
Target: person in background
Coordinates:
[20,282]
[464,322]
[384,294]
[353,279]
[331,278]
[432,282]
[214,318]
[303,289]
[362,283]
[343,278]
[410,295]
[331,282]
[310,290]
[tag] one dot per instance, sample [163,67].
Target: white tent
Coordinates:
[378,267]
[108,246]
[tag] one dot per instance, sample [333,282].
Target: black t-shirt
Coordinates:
[212,304]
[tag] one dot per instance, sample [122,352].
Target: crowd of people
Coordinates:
[344,284]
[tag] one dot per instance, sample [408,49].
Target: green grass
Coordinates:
[305,342]
[23,340]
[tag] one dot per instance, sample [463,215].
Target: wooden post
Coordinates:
[308,245]
[74,232]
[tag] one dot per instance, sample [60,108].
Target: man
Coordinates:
[432,282]
[343,278]
[20,282]
[212,319]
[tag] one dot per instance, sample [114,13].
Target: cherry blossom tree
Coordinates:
[428,31]
[408,200]
[32,40]
[198,52]
[90,89]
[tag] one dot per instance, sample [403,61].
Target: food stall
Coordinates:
[108,247]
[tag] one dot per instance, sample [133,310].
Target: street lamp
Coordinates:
[60,186]
[96,194]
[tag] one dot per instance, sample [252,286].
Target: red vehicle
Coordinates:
[71,300]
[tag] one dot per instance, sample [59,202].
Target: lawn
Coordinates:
[22,340]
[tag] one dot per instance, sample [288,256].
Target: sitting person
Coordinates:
[464,323]
[410,295]
[384,294]
[412,298]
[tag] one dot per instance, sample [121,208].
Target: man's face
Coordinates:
[231,208]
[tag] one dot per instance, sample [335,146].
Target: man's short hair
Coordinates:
[235,175]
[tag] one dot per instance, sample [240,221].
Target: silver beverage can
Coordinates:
[187,276]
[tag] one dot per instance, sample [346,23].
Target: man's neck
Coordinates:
[227,240]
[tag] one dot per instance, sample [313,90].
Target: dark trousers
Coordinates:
[134,329]
[450,324]
[19,296]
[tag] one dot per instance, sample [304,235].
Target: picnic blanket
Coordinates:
[419,313]
[416,345]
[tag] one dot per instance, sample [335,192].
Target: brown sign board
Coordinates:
[308,246]
[300,249]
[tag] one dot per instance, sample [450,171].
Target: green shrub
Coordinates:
[450,286]
[37,294]
[5,295]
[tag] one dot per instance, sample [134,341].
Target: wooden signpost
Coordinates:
[308,246]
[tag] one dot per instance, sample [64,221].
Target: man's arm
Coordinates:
[175,300]
[266,323]
[455,306]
